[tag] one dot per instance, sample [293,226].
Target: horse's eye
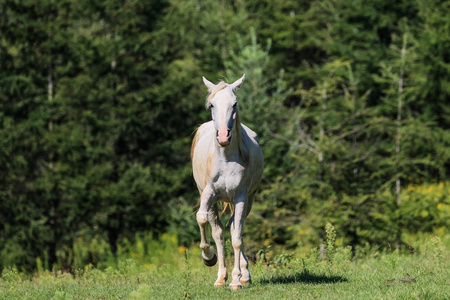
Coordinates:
[234,105]
[211,105]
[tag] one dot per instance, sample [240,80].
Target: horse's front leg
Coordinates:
[217,233]
[206,202]
[237,224]
[245,278]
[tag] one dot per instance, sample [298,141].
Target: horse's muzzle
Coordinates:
[223,139]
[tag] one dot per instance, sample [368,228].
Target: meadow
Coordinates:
[163,270]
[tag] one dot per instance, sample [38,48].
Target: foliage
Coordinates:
[331,239]
[99,100]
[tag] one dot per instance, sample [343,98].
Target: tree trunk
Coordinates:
[322,133]
[113,236]
[398,141]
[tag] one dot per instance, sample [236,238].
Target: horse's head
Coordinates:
[223,104]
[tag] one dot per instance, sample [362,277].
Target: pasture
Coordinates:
[178,273]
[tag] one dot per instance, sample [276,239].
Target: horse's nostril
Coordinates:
[228,133]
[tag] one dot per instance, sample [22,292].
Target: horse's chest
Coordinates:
[228,178]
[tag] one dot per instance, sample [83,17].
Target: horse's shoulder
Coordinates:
[205,129]
[206,126]
[200,133]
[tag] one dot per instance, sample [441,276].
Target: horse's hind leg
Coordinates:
[217,233]
[206,199]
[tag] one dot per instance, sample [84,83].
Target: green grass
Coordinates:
[423,274]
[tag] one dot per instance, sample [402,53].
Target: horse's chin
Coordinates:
[224,144]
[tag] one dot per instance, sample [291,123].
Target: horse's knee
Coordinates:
[204,246]
[202,218]
[237,242]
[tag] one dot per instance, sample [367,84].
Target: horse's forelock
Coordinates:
[220,86]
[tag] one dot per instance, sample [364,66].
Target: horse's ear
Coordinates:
[209,84]
[237,84]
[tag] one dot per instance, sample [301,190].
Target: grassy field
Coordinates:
[421,274]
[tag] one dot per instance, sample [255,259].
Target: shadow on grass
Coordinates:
[303,277]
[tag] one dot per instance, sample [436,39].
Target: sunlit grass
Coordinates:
[423,274]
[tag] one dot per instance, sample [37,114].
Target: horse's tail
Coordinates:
[197,206]
[231,206]
[225,206]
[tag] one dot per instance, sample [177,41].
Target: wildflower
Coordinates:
[440,231]
[181,249]
[149,266]
[439,206]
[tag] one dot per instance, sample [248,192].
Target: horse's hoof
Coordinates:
[246,282]
[219,283]
[235,287]
[211,262]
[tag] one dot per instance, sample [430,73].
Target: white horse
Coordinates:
[227,164]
